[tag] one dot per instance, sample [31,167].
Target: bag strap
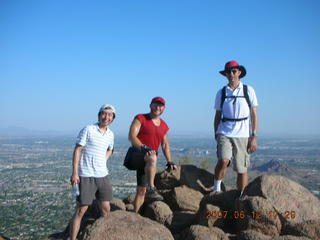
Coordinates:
[223,97]
[246,95]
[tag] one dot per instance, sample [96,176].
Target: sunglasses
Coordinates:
[234,71]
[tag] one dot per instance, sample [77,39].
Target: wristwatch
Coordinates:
[254,134]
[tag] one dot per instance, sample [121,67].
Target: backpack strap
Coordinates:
[245,94]
[223,97]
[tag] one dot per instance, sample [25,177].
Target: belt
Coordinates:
[233,119]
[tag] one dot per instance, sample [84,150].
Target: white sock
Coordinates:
[217,185]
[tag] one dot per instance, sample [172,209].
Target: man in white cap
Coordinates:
[235,126]
[94,146]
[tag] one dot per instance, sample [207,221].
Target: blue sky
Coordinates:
[61,60]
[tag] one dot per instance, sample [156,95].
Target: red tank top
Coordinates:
[150,134]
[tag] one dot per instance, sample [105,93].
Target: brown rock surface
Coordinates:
[117,204]
[290,237]
[209,216]
[158,211]
[257,214]
[129,207]
[129,199]
[180,221]
[184,198]
[224,200]
[310,229]
[122,225]
[198,232]
[189,175]
[286,197]
[252,235]
[168,179]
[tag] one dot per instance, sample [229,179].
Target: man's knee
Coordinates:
[243,175]
[224,163]
[141,191]
[81,211]
[151,160]
[105,207]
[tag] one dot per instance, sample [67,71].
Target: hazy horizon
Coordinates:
[25,132]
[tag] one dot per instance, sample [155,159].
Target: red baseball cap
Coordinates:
[158,100]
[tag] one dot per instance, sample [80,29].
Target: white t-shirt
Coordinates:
[234,109]
[93,161]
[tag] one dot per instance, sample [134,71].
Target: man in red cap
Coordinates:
[235,126]
[147,132]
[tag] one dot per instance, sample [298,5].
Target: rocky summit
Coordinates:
[272,207]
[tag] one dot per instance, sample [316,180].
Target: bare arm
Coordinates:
[217,119]
[252,144]
[166,150]
[108,154]
[75,164]
[133,133]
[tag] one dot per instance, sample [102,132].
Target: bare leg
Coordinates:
[105,208]
[221,169]
[242,181]
[75,222]
[151,168]
[139,198]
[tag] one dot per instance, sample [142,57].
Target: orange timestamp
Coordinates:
[240,214]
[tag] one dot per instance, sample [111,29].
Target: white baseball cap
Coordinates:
[107,108]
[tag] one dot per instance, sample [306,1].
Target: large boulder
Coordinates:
[117,204]
[183,198]
[158,211]
[294,203]
[226,203]
[168,179]
[198,232]
[210,216]
[181,220]
[129,199]
[252,235]
[256,213]
[189,175]
[224,200]
[290,237]
[122,225]
[308,229]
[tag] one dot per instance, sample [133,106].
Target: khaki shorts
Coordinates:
[234,149]
[90,188]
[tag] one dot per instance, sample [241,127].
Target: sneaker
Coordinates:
[152,194]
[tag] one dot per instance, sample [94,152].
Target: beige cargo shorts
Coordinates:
[234,149]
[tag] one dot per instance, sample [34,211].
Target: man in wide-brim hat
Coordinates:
[235,126]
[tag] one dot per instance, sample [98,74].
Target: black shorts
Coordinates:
[91,187]
[137,161]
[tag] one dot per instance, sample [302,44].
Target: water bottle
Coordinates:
[75,190]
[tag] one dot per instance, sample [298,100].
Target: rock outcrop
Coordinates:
[294,202]
[258,215]
[272,207]
[120,225]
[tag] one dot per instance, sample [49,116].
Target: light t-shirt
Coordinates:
[93,161]
[234,109]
